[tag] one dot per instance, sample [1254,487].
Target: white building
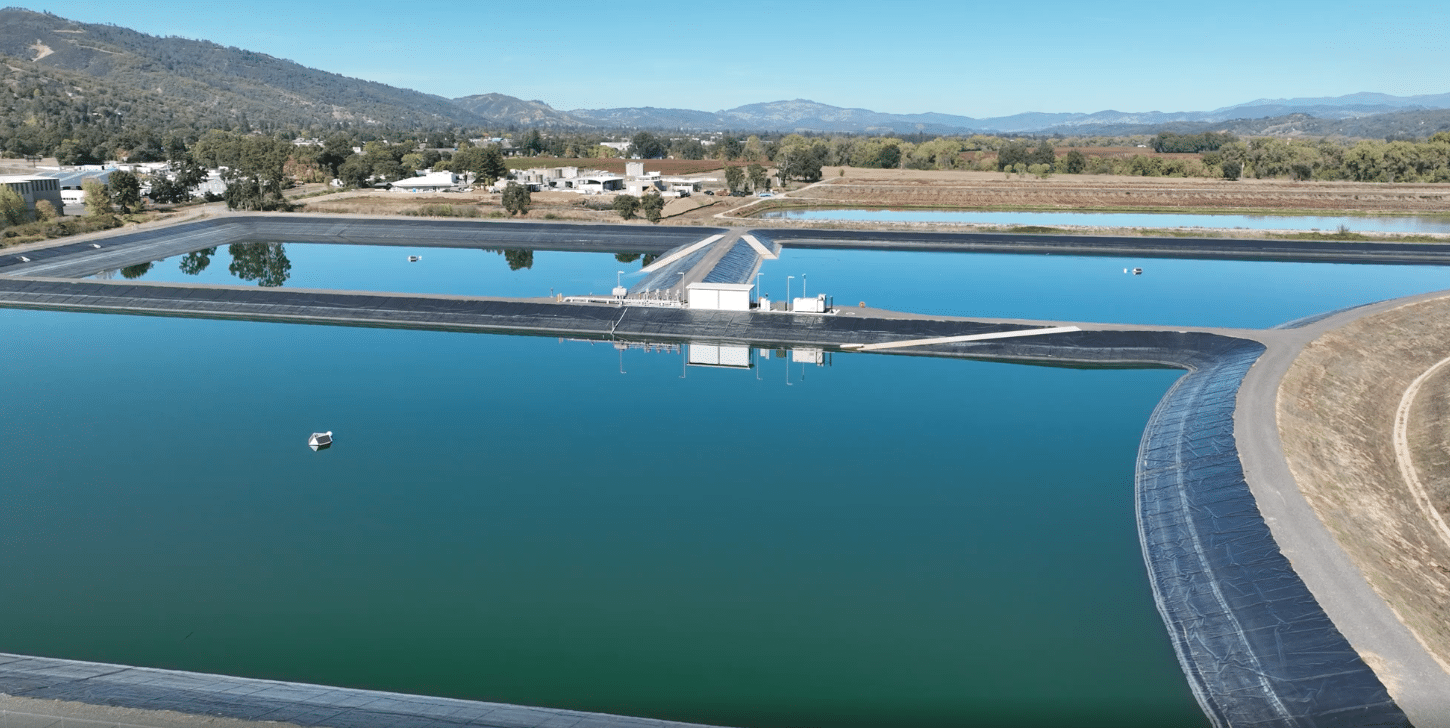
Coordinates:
[719,296]
[33,189]
[434,182]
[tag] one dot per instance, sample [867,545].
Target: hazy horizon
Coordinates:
[917,57]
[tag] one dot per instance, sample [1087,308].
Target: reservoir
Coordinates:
[462,271]
[1328,223]
[1177,292]
[886,540]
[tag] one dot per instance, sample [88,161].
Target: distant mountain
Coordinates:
[510,110]
[1363,99]
[65,75]
[803,115]
[210,83]
[1404,123]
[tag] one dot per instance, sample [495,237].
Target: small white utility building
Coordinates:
[435,182]
[719,296]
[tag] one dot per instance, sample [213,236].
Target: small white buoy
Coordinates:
[320,440]
[414,258]
[1137,271]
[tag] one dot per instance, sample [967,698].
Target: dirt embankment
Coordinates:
[1337,410]
[908,188]
[693,210]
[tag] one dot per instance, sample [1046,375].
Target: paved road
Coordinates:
[1414,679]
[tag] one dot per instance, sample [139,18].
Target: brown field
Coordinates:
[995,190]
[616,166]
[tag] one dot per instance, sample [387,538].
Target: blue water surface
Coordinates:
[461,271]
[1172,292]
[885,541]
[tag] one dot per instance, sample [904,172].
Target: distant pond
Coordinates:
[1397,224]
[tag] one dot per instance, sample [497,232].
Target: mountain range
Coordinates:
[80,71]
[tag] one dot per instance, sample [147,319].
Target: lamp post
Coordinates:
[803,285]
[787,292]
[618,278]
[757,288]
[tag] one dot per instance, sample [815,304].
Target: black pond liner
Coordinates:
[1257,648]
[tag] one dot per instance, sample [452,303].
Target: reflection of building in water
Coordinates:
[733,356]
[716,354]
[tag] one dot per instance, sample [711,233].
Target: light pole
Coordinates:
[803,285]
[787,292]
[618,279]
[757,288]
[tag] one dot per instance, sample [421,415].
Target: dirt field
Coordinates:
[988,190]
[546,206]
[1337,409]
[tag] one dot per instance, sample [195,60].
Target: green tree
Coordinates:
[98,197]
[355,172]
[335,151]
[756,173]
[653,206]
[626,205]
[647,146]
[265,263]
[125,191]
[45,211]
[533,143]
[1044,154]
[12,207]
[516,199]
[734,179]
[1074,162]
[728,148]
[1232,169]
[799,158]
[626,257]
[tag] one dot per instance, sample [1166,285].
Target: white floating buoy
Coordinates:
[1137,271]
[414,258]
[320,440]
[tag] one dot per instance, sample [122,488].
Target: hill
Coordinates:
[204,82]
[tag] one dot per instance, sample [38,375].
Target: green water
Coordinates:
[885,541]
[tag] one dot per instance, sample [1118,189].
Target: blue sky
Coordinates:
[974,59]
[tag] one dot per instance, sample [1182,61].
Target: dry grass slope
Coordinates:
[1336,412]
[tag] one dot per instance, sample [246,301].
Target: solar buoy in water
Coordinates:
[414,258]
[320,440]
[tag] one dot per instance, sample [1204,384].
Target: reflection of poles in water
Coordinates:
[621,362]
[684,359]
